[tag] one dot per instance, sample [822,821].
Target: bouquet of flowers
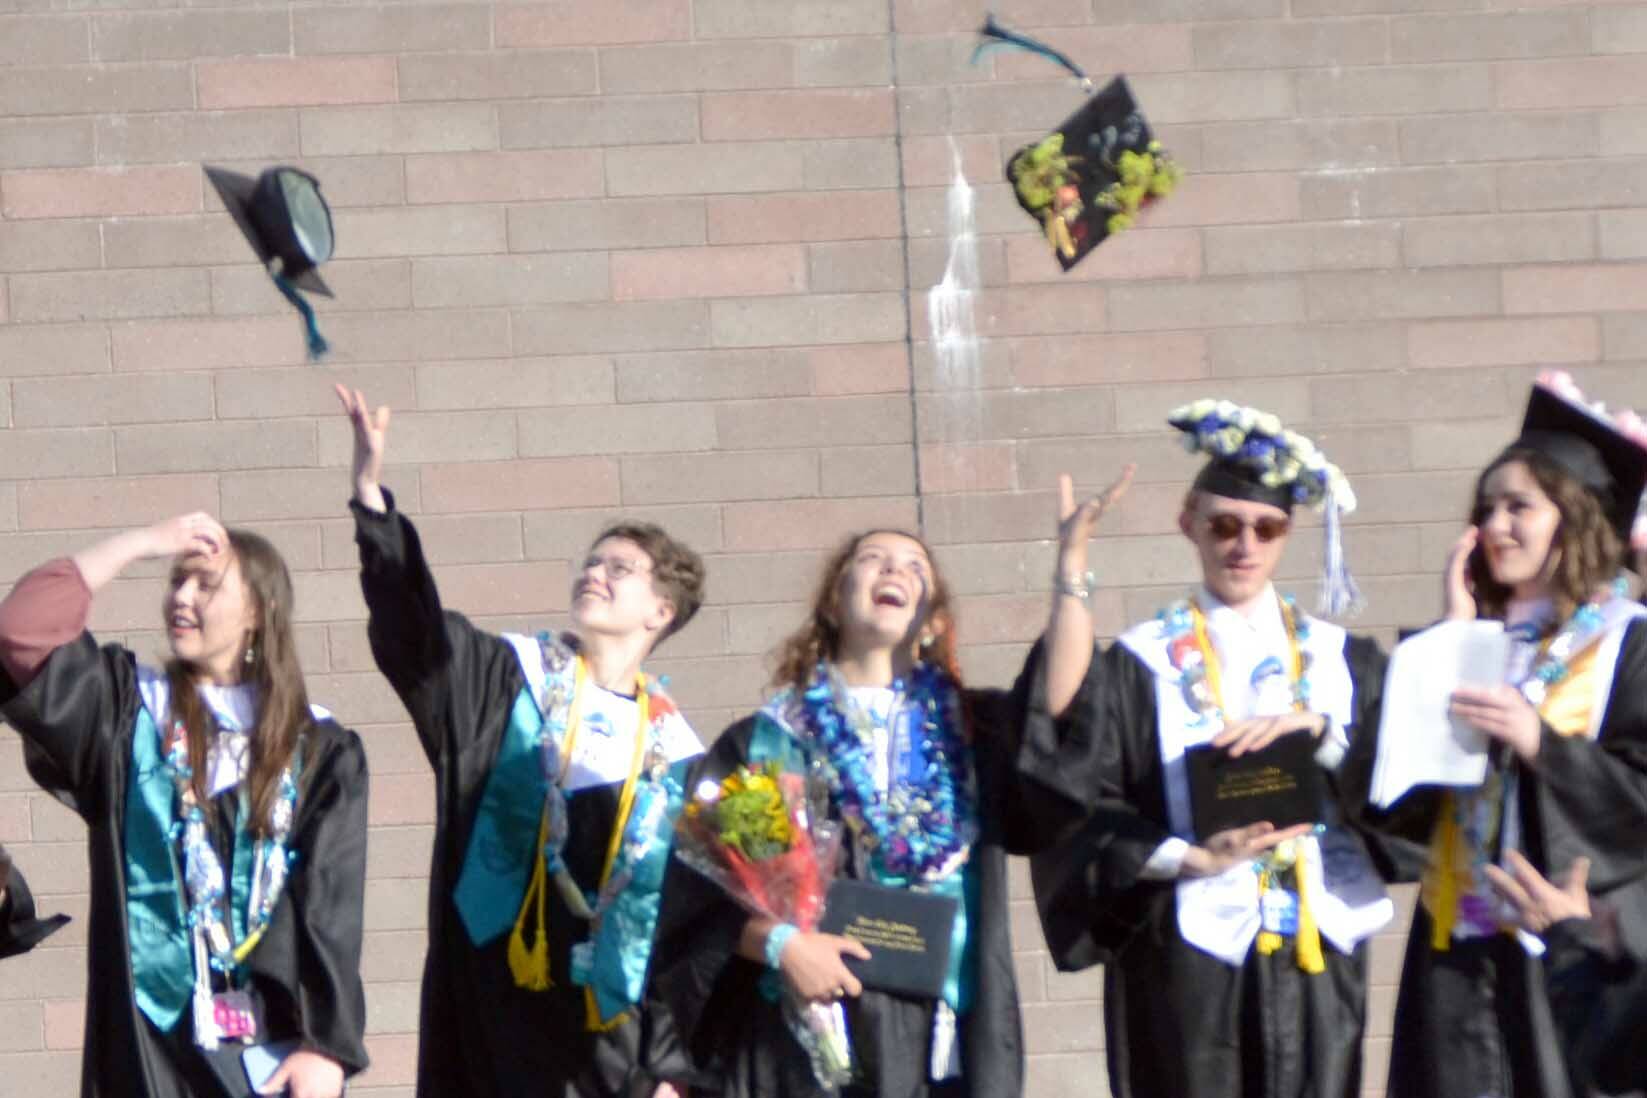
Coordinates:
[759,836]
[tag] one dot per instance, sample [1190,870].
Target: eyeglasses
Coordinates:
[1228,527]
[617,568]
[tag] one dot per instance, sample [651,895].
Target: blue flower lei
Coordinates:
[922,827]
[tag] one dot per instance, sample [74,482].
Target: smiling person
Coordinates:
[226,820]
[868,694]
[558,775]
[1568,729]
[1234,960]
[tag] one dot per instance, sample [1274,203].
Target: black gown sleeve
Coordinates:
[1397,841]
[1090,889]
[74,716]
[433,658]
[1591,794]
[329,897]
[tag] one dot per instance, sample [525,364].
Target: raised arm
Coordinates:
[1069,634]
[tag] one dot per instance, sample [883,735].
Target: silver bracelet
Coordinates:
[1075,586]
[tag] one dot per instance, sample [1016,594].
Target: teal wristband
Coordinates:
[776,939]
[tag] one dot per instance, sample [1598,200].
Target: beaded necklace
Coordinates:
[206,890]
[1190,649]
[922,827]
[1574,636]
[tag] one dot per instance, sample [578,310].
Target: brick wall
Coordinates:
[669,258]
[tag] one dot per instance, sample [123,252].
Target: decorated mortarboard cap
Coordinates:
[1605,452]
[1252,456]
[1088,179]
[20,930]
[289,226]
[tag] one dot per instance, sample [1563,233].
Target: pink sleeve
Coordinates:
[47,609]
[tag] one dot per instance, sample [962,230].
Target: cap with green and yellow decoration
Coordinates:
[1089,178]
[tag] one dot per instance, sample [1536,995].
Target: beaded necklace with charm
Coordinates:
[1191,652]
[206,889]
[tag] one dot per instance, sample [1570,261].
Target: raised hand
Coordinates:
[1457,598]
[1235,846]
[812,966]
[1257,733]
[1076,523]
[196,533]
[371,433]
[306,1074]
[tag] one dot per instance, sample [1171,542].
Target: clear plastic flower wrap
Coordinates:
[763,835]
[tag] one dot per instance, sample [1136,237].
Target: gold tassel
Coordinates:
[591,1015]
[1268,940]
[530,966]
[1308,941]
[1440,887]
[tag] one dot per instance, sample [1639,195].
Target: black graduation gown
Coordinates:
[738,1037]
[76,718]
[481,1034]
[1181,1023]
[1476,1019]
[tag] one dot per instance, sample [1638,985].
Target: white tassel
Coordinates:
[1339,594]
[205,1010]
[946,1045]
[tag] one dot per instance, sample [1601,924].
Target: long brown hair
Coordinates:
[282,701]
[819,639]
[1588,551]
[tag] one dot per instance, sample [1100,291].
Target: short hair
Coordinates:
[677,569]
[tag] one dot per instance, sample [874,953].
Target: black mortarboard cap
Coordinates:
[1236,480]
[1589,447]
[289,226]
[20,931]
[1088,179]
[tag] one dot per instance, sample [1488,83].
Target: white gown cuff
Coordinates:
[1166,862]
[1335,744]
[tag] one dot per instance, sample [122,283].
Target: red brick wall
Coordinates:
[669,258]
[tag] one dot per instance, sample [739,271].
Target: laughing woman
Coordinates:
[1568,728]
[868,693]
[226,821]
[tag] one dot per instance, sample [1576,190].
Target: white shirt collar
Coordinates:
[1263,624]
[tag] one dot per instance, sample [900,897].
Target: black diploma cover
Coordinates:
[1281,784]
[907,934]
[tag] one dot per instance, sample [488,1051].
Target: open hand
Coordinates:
[306,1074]
[1235,846]
[1458,600]
[1076,523]
[1539,902]
[196,533]
[1257,733]
[812,966]
[1502,713]
[371,433]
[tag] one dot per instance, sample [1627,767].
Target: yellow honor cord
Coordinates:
[1307,939]
[614,844]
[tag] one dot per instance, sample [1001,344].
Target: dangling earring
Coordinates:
[251,654]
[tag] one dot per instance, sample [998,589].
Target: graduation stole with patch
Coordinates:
[1563,686]
[1205,693]
[521,830]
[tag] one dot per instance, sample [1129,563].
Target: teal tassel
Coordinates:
[317,342]
[995,36]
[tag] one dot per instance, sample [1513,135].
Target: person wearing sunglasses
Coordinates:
[1234,959]
[559,770]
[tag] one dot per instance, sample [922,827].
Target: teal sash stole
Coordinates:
[156,928]
[503,844]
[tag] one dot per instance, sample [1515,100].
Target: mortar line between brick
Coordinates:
[908,278]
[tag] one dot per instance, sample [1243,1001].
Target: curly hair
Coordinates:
[677,570]
[1587,551]
[819,639]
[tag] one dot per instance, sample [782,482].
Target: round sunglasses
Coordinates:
[1229,527]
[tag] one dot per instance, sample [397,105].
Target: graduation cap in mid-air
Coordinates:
[289,226]
[1605,452]
[1087,179]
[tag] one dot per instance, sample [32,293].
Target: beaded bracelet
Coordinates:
[776,939]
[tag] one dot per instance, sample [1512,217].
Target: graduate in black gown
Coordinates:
[1568,724]
[1234,962]
[559,770]
[226,821]
[20,930]
[868,688]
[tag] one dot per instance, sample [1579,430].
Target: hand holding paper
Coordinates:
[1421,741]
